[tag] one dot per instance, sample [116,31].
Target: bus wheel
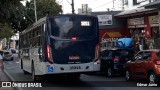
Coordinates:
[25,72]
[34,77]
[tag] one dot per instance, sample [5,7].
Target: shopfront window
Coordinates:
[155,32]
[138,36]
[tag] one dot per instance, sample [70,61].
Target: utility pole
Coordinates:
[113,4]
[72,6]
[123,5]
[35,10]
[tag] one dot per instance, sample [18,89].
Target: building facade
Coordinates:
[156,5]
[111,28]
[134,4]
[142,25]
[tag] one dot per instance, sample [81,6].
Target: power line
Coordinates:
[103,5]
[92,2]
[68,2]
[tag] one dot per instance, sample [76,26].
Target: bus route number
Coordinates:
[75,67]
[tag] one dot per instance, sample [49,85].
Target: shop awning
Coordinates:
[138,11]
[112,34]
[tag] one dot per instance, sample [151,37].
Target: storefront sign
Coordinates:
[154,25]
[136,21]
[109,39]
[137,26]
[104,19]
[141,26]
[153,19]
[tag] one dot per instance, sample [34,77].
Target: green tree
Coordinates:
[43,8]
[6,31]
[10,16]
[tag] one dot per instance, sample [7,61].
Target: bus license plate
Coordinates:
[75,67]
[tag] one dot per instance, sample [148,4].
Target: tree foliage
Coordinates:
[43,8]
[10,15]
[16,17]
[5,31]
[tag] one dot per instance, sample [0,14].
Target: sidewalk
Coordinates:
[4,78]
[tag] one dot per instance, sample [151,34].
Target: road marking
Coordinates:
[12,67]
[17,62]
[10,62]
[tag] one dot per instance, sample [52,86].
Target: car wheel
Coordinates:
[110,72]
[128,75]
[152,78]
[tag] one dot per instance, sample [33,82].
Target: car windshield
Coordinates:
[7,53]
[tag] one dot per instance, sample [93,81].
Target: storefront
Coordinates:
[155,27]
[109,37]
[142,25]
[110,28]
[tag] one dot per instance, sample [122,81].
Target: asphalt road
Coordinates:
[86,82]
[4,78]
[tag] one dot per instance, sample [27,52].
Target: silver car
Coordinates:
[7,55]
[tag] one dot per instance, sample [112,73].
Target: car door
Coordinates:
[141,64]
[136,68]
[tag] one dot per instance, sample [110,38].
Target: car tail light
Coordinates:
[157,61]
[116,58]
[49,54]
[74,38]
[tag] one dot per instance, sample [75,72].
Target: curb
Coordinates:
[12,79]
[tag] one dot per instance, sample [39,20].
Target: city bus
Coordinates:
[60,44]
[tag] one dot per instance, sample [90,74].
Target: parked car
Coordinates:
[114,59]
[145,64]
[13,50]
[7,55]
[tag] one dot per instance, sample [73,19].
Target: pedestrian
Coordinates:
[138,45]
[1,62]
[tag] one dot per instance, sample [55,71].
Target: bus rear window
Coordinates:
[72,26]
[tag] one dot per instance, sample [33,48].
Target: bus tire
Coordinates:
[25,72]
[34,77]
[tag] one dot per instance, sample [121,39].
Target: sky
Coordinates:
[95,5]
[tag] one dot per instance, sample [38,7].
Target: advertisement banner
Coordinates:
[105,19]
[136,21]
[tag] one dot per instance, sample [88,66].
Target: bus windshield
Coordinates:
[66,27]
